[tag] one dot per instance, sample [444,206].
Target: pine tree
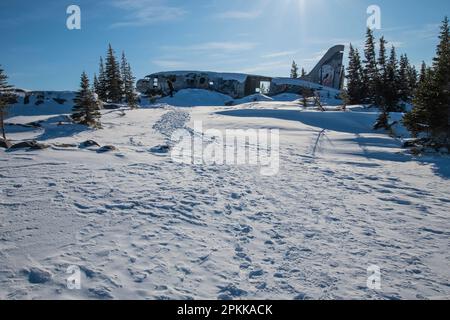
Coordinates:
[294,70]
[403,79]
[128,83]
[95,84]
[113,77]
[440,117]
[303,73]
[423,71]
[382,80]
[86,108]
[418,119]
[370,75]
[354,77]
[5,95]
[381,95]
[102,82]
[431,112]
[391,95]
[412,81]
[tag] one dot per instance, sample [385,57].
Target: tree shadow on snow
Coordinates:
[354,123]
[59,127]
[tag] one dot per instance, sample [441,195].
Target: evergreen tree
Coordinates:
[382,81]
[412,81]
[95,84]
[123,71]
[418,120]
[128,80]
[102,82]
[431,112]
[354,77]
[294,70]
[86,108]
[113,77]
[303,73]
[440,115]
[423,71]
[382,88]
[391,96]
[403,79]
[5,96]
[370,75]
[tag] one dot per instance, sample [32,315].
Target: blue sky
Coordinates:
[254,36]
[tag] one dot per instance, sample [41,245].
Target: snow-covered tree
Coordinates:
[86,108]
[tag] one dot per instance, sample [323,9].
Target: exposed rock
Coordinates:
[88,144]
[107,149]
[160,149]
[39,276]
[5,144]
[65,145]
[32,145]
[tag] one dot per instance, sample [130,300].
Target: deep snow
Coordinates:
[142,226]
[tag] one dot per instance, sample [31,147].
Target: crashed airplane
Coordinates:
[329,73]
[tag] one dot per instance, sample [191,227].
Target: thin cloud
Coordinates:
[279,54]
[239,15]
[146,12]
[228,46]
[170,64]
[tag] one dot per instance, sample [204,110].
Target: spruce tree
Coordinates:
[5,96]
[391,95]
[95,84]
[422,74]
[86,108]
[303,73]
[294,70]
[128,80]
[431,112]
[354,77]
[102,82]
[370,75]
[403,79]
[382,81]
[123,73]
[440,114]
[418,119]
[381,95]
[412,81]
[113,77]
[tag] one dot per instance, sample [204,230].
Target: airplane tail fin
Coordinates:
[330,70]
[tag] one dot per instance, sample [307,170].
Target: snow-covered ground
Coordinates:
[140,225]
